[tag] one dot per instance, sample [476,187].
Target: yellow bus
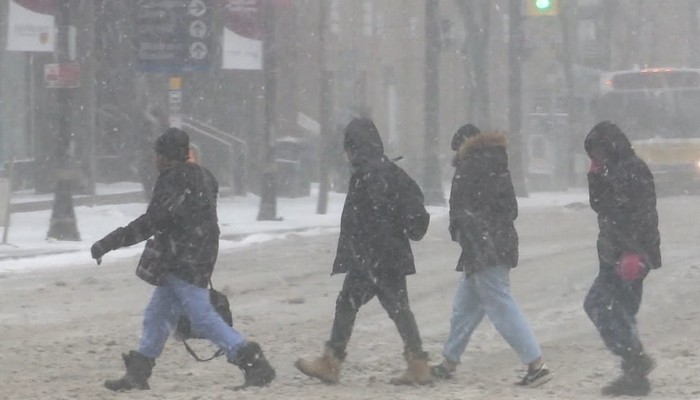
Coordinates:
[659,110]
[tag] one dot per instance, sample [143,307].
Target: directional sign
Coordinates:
[198,51]
[173,36]
[198,29]
[197,8]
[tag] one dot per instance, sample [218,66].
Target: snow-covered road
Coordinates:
[63,329]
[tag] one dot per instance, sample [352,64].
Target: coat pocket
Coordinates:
[151,268]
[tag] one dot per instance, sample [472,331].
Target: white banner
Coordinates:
[243,30]
[28,30]
[240,52]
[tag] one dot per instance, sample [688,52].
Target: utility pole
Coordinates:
[326,111]
[63,224]
[432,180]
[515,52]
[268,189]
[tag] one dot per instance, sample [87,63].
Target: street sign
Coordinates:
[62,75]
[31,26]
[175,101]
[174,36]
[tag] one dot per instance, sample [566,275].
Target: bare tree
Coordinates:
[476,15]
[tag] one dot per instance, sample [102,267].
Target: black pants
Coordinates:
[358,289]
[612,304]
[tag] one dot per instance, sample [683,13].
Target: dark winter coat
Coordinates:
[182,219]
[622,193]
[374,234]
[483,204]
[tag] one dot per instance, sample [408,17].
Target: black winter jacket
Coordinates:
[483,204]
[182,219]
[373,231]
[623,195]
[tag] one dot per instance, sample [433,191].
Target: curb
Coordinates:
[81,200]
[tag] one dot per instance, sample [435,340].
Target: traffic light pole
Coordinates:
[515,53]
[63,223]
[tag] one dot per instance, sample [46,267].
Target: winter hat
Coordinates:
[173,144]
[462,134]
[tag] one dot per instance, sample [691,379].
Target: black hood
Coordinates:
[462,134]
[611,140]
[363,140]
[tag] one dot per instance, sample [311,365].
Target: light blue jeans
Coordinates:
[487,292]
[174,298]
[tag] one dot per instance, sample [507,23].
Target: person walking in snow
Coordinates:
[383,210]
[622,193]
[482,210]
[181,217]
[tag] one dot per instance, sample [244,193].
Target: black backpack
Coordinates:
[184,331]
[415,217]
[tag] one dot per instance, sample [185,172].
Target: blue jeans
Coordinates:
[174,298]
[487,292]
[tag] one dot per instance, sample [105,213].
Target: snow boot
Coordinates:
[417,371]
[634,381]
[628,385]
[326,368]
[638,364]
[138,370]
[257,371]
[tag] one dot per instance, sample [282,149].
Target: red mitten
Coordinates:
[630,267]
[596,167]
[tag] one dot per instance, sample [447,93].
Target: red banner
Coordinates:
[46,7]
[244,18]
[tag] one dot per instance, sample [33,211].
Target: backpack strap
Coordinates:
[194,355]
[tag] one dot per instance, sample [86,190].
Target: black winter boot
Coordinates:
[628,385]
[634,381]
[138,370]
[256,370]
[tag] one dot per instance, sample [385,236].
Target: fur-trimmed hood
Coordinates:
[480,142]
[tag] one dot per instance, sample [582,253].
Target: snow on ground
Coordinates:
[63,329]
[27,247]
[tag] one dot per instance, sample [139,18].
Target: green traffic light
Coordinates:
[543,4]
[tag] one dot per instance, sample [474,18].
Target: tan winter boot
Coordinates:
[326,368]
[417,371]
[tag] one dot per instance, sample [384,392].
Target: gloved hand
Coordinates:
[98,250]
[596,167]
[108,243]
[631,267]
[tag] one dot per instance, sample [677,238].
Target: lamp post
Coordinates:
[63,224]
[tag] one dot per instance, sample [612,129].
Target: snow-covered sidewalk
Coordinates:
[27,247]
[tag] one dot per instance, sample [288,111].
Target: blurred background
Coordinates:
[265,87]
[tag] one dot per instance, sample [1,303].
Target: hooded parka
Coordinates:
[373,234]
[483,204]
[623,195]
